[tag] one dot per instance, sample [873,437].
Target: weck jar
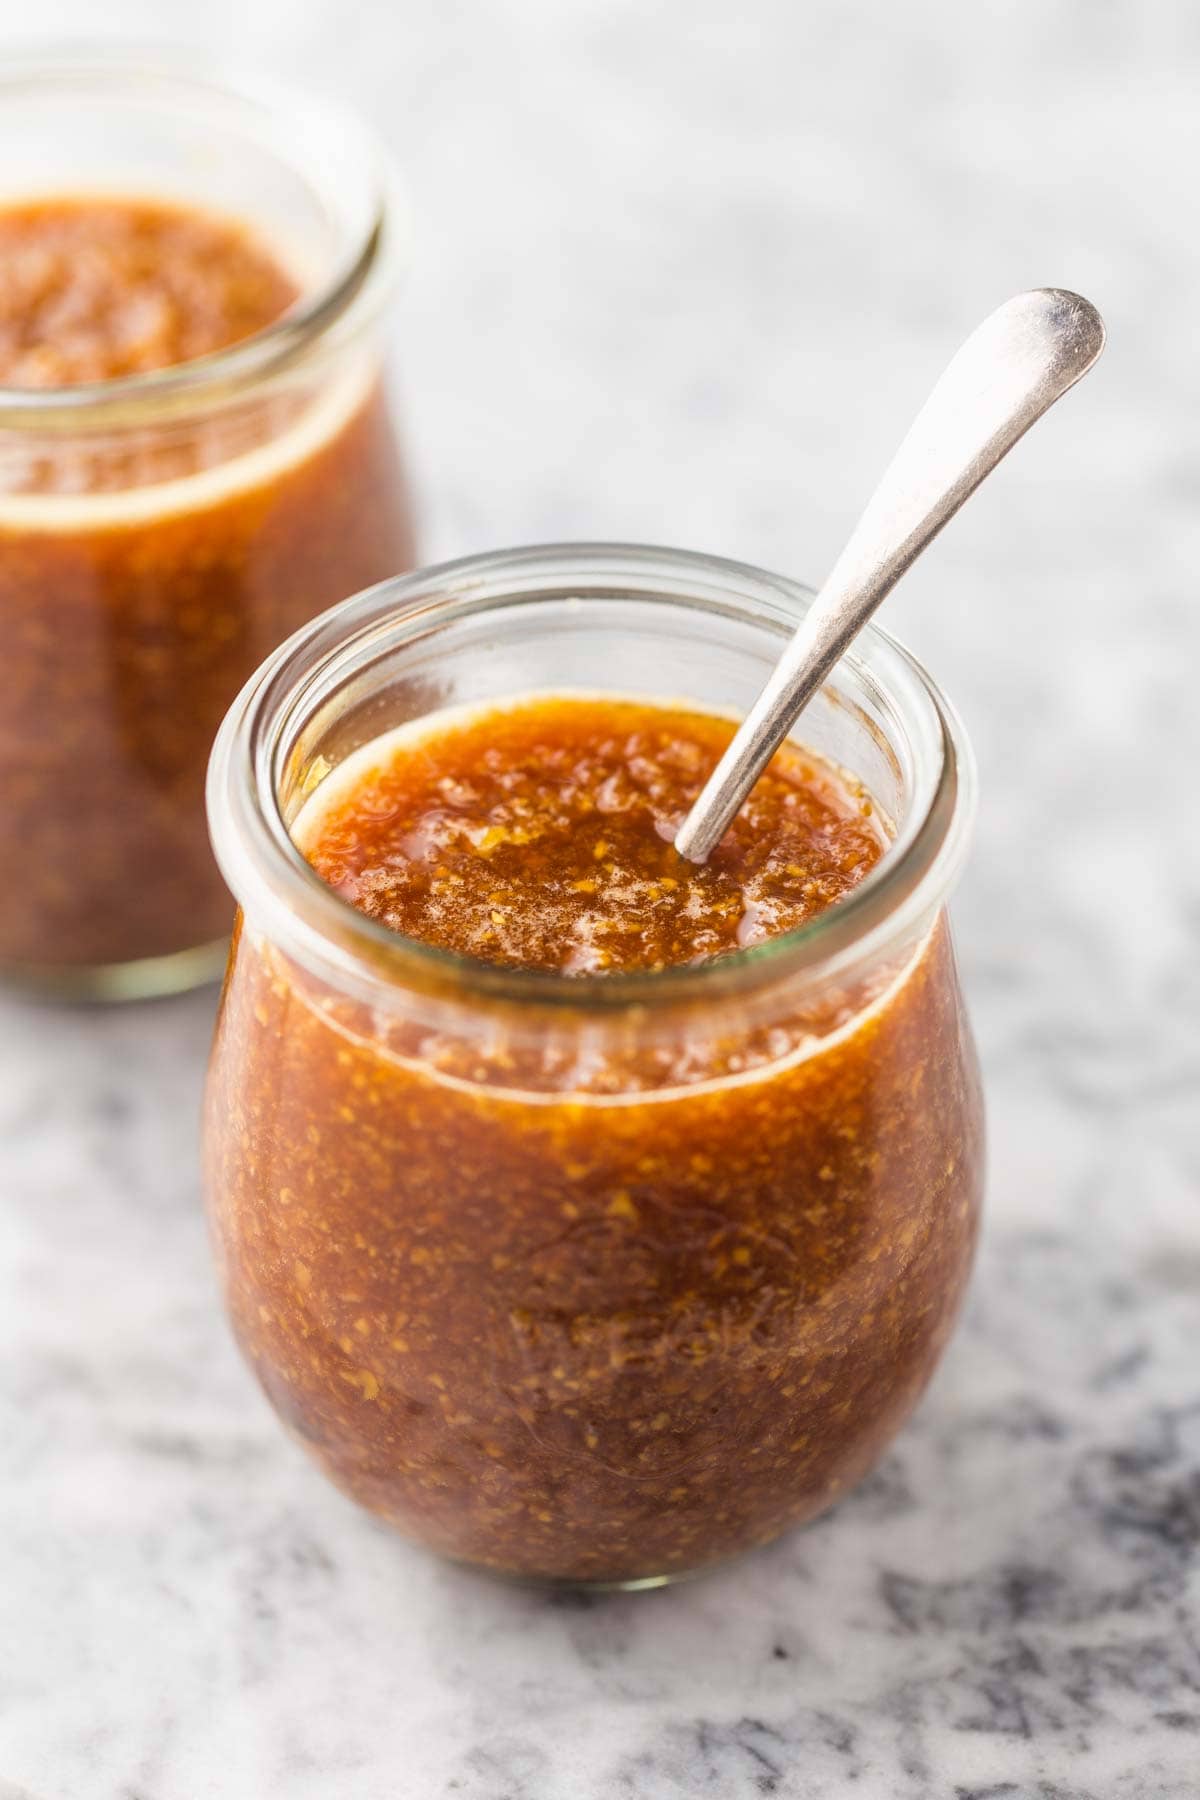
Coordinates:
[162,530]
[591,1281]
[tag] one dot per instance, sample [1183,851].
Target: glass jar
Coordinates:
[603,1281]
[160,533]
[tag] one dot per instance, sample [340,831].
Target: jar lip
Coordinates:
[268,875]
[362,271]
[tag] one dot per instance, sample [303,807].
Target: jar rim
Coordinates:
[269,876]
[361,274]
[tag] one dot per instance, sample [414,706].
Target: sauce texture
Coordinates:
[95,289]
[572,1293]
[539,837]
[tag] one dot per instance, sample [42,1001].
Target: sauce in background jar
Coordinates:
[579,1274]
[196,457]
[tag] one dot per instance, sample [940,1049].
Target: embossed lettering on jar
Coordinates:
[595,1279]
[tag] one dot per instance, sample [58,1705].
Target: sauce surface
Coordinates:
[539,836]
[94,289]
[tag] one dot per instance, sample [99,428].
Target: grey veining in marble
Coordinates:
[638,226]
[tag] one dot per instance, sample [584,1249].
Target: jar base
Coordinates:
[582,1585]
[100,984]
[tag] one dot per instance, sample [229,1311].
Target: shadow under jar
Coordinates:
[591,1280]
[163,530]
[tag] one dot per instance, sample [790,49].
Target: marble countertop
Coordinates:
[682,273]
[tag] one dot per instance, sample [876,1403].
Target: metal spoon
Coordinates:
[1007,374]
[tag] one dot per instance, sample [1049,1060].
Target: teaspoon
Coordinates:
[1008,373]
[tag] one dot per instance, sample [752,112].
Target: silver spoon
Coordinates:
[1007,374]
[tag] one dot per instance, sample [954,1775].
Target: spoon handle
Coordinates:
[1007,374]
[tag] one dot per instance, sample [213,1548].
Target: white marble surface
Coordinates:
[683,270]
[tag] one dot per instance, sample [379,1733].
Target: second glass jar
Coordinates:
[160,533]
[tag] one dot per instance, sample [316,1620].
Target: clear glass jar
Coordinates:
[602,1281]
[160,533]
